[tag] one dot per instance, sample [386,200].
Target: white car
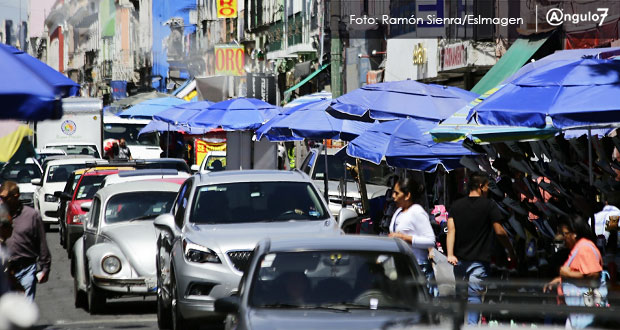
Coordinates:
[77,148]
[213,161]
[169,175]
[22,173]
[143,146]
[55,176]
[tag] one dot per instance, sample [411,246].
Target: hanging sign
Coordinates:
[229,60]
[226,8]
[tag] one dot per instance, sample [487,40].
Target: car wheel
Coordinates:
[164,320]
[79,298]
[96,300]
[178,323]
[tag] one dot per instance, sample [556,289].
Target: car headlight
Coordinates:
[51,198]
[200,254]
[111,264]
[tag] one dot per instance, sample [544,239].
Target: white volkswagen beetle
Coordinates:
[116,255]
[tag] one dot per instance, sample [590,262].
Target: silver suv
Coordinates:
[206,242]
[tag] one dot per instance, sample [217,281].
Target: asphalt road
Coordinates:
[56,309]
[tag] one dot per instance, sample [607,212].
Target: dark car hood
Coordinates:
[284,319]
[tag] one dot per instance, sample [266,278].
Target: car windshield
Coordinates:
[129,132]
[19,172]
[337,279]
[257,202]
[373,174]
[215,163]
[89,186]
[140,205]
[60,173]
[79,150]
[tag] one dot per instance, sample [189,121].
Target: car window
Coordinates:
[257,202]
[306,166]
[74,181]
[89,185]
[129,132]
[140,205]
[181,203]
[95,212]
[373,174]
[367,279]
[79,150]
[60,173]
[215,163]
[19,172]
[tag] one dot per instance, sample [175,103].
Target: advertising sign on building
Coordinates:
[453,56]
[226,8]
[229,60]
[262,86]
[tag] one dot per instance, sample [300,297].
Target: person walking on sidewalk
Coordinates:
[27,244]
[411,223]
[473,221]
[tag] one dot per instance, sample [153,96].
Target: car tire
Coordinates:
[79,297]
[96,300]
[178,323]
[164,317]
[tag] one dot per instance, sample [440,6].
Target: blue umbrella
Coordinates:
[310,121]
[182,113]
[235,114]
[309,99]
[23,93]
[403,144]
[162,126]
[64,86]
[147,109]
[574,93]
[400,99]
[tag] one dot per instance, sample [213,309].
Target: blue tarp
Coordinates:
[147,109]
[236,114]
[399,99]
[161,126]
[312,122]
[403,144]
[574,93]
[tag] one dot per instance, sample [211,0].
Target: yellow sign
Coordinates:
[419,54]
[226,8]
[229,60]
[201,148]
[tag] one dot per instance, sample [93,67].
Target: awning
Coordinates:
[516,56]
[287,93]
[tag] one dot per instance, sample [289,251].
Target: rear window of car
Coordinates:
[257,202]
[89,186]
[19,172]
[373,174]
[60,173]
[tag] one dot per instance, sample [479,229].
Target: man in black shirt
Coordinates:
[473,221]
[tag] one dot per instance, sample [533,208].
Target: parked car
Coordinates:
[74,195]
[205,243]
[55,176]
[146,174]
[376,177]
[22,173]
[41,154]
[116,255]
[213,161]
[158,163]
[347,282]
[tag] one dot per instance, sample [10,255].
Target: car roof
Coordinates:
[98,171]
[136,186]
[250,176]
[67,160]
[333,242]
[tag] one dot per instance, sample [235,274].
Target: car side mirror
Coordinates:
[345,215]
[86,206]
[36,182]
[195,168]
[165,222]
[227,305]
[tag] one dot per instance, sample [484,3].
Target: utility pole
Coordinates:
[336,48]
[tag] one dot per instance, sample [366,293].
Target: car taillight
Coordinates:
[76,220]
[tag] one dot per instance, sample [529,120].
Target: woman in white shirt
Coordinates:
[411,223]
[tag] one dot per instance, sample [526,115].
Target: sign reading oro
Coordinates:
[226,8]
[229,60]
